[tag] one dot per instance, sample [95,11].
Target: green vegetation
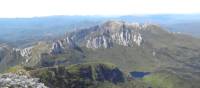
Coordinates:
[85,75]
[20,70]
[15,69]
[77,67]
[126,58]
[167,80]
[37,50]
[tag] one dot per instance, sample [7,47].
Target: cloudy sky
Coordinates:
[31,8]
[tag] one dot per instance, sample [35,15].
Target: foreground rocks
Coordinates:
[10,80]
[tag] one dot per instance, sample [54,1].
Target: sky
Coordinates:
[32,8]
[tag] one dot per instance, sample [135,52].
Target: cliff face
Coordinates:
[26,53]
[59,46]
[115,33]
[9,57]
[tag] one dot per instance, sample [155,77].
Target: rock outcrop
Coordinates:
[98,42]
[25,53]
[59,46]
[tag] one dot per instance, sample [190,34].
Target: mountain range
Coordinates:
[16,31]
[171,58]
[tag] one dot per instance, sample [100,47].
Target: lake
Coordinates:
[137,74]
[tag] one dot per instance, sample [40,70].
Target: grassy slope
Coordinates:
[169,80]
[128,59]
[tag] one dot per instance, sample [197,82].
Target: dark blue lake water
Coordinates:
[137,74]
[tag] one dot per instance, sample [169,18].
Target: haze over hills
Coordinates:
[190,28]
[17,31]
[146,47]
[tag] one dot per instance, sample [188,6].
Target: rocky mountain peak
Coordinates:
[115,32]
[105,35]
[113,25]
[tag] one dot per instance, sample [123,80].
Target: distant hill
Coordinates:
[19,31]
[186,24]
[190,28]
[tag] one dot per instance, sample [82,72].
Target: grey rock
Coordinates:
[10,80]
[59,46]
[115,32]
